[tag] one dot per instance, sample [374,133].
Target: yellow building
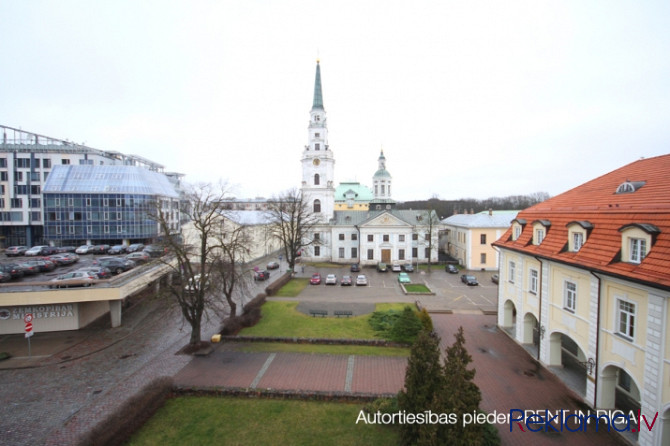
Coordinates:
[585,286]
[469,237]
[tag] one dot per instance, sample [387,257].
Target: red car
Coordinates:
[316,279]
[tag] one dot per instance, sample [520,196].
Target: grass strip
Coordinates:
[242,422]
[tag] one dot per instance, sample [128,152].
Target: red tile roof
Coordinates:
[598,203]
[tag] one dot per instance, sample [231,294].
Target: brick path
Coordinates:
[509,379]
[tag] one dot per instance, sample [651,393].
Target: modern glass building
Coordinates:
[107,204]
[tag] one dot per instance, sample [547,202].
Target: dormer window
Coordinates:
[628,187]
[540,229]
[578,232]
[517,228]
[636,241]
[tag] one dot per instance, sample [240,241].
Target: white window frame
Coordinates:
[638,249]
[517,232]
[511,271]
[625,318]
[533,280]
[341,252]
[577,241]
[539,236]
[570,296]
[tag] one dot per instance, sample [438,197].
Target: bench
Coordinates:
[344,313]
[315,313]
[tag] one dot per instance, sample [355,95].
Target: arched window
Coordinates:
[317,206]
[316,179]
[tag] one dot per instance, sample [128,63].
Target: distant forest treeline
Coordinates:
[446,208]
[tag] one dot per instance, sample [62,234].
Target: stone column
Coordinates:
[115,312]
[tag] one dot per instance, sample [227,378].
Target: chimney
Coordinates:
[490,212]
[472,210]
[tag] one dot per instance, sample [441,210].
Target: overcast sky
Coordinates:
[466,98]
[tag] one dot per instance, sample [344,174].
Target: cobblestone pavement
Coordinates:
[53,403]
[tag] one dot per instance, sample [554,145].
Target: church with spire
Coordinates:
[358,224]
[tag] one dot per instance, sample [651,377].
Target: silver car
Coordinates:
[361,280]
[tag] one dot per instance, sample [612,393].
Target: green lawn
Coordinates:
[293,288]
[416,288]
[281,319]
[243,421]
[360,350]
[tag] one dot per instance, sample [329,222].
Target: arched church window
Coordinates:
[316,179]
[317,206]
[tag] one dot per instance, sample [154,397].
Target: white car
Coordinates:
[83,249]
[331,279]
[35,250]
[361,280]
[396,268]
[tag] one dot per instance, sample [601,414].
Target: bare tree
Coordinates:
[292,221]
[206,257]
[430,221]
[229,263]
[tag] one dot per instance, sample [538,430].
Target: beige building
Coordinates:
[469,237]
[585,286]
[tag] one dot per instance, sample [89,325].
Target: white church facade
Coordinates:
[380,232]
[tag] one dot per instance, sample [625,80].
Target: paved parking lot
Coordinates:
[450,293]
[20,283]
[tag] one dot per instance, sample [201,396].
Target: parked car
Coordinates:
[42,265]
[469,280]
[99,249]
[331,279]
[396,268]
[34,251]
[62,249]
[494,278]
[117,249]
[13,269]
[194,283]
[99,272]
[155,250]
[74,278]
[451,269]
[64,259]
[355,268]
[135,247]
[117,265]
[316,279]
[345,281]
[408,268]
[28,270]
[84,249]
[273,265]
[15,251]
[261,275]
[138,257]
[381,267]
[41,250]
[361,280]
[404,278]
[5,277]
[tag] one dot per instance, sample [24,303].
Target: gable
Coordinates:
[385,219]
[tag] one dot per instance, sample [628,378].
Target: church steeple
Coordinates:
[318,162]
[318,95]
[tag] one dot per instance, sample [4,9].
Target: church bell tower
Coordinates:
[318,164]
